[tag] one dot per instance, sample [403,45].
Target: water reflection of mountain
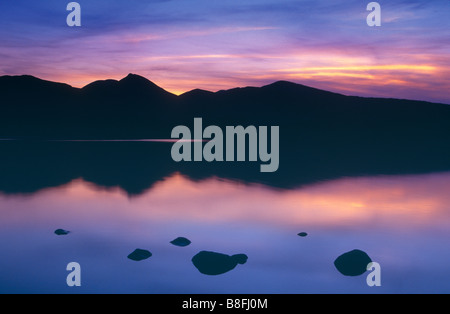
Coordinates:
[322,135]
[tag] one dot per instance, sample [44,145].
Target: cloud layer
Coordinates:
[182,45]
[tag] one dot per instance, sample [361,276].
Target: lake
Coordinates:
[401,221]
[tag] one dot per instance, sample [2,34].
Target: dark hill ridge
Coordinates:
[134,107]
[323,135]
[28,82]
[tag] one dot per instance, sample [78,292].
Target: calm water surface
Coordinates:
[402,222]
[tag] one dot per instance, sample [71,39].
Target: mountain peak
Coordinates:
[197,93]
[287,84]
[295,88]
[135,78]
[138,81]
[134,85]
[134,82]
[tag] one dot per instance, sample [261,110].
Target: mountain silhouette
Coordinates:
[132,86]
[323,135]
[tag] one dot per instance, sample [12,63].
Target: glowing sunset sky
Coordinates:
[185,44]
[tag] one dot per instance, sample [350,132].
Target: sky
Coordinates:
[185,44]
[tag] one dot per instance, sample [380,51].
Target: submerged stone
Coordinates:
[61,232]
[180,241]
[212,263]
[353,263]
[240,258]
[139,255]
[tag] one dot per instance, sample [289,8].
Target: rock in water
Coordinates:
[212,263]
[240,258]
[302,234]
[353,263]
[139,255]
[180,241]
[61,232]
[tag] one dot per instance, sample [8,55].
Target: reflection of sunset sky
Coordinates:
[182,45]
[363,202]
[402,222]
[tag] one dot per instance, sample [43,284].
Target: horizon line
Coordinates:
[213,92]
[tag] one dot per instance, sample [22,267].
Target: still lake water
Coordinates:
[402,222]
